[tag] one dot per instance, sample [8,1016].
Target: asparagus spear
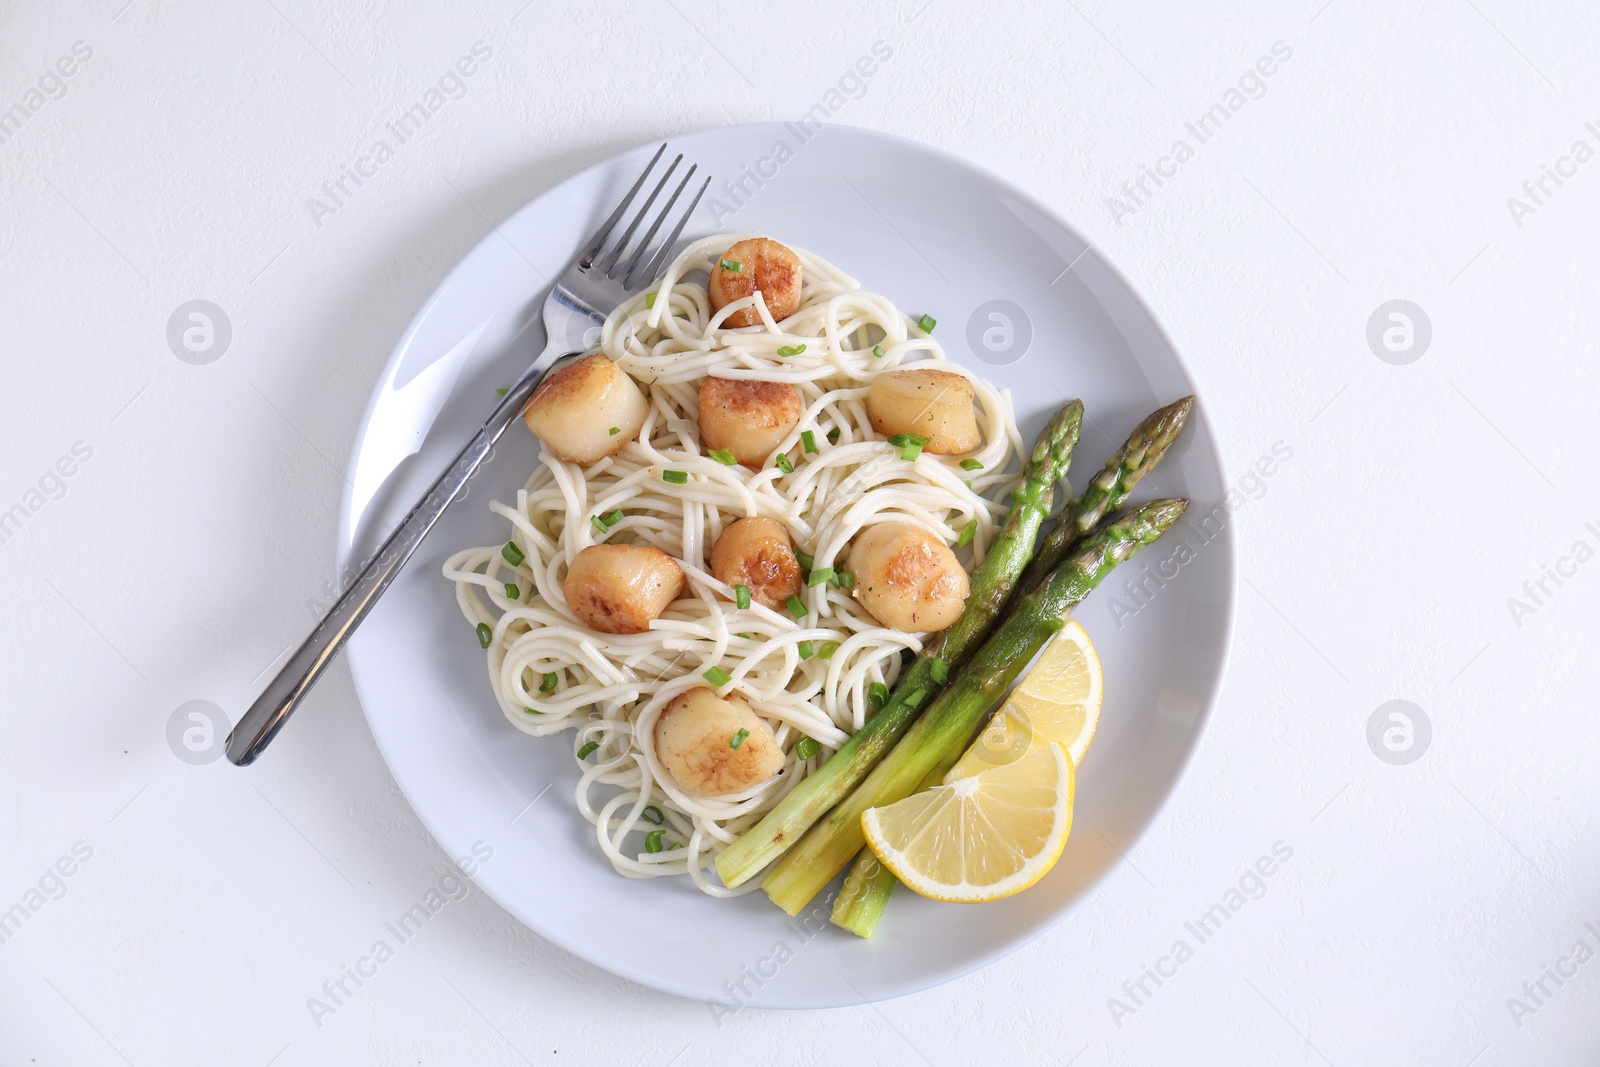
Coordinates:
[1109,488]
[990,585]
[867,887]
[944,729]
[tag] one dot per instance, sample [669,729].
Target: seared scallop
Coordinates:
[907,578]
[757,553]
[757,263]
[713,746]
[936,404]
[621,589]
[748,418]
[586,410]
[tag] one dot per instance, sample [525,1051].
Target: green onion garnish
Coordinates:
[877,694]
[675,844]
[877,350]
[485,635]
[723,456]
[808,440]
[717,676]
[745,636]
[741,595]
[820,575]
[791,350]
[652,840]
[584,752]
[513,555]
[966,534]
[927,323]
[675,477]
[611,518]
[783,463]
[598,523]
[512,592]
[551,680]
[651,813]
[738,738]
[941,670]
[845,580]
[501,392]
[916,697]
[806,747]
[833,436]
[649,300]
[971,465]
[828,649]
[533,711]
[806,560]
[733,265]
[806,651]
[909,444]
[614,430]
[796,607]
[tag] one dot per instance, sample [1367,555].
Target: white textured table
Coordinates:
[1269,175]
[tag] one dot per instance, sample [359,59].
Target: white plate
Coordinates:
[935,235]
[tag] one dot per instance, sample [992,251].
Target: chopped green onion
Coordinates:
[649,300]
[717,676]
[966,534]
[971,465]
[512,592]
[909,444]
[877,350]
[614,430]
[916,697]
[820,575]
[783,463]
[652,840]
[738,738]
[927,323]
[796,607]
[745,636]
[806,651]
[598,523]
[513,555]
[877,694]
[741,595]
[485,635]
[675,477]
[586,750]
[806,560]
[651,813]
[833,436]
[733,265]
[941,670]
[808,440]
[501,392]
[723,456]
[551,680]
[791,350]
[533,711]
[675,844]
[828,649]
[611,518]
[845,580]
[806,747]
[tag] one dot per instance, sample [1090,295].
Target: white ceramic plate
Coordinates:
[934,234]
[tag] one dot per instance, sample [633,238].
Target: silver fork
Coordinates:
[576,307]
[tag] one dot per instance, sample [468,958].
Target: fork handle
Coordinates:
[284,693]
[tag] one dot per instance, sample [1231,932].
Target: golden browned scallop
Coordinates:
[713,746]
[586,410]
[907,578]
[756,263]
[748,418]
[757,553]
[934,403]
[621,589]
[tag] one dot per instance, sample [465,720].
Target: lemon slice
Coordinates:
[1058,700]
[981,838]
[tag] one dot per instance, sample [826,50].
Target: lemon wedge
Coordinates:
[981,838]
[1058,700]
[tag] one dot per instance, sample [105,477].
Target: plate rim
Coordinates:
[345,545]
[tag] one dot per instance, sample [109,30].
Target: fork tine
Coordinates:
[622,245]
[599,239]
[659,263]
[644,242]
